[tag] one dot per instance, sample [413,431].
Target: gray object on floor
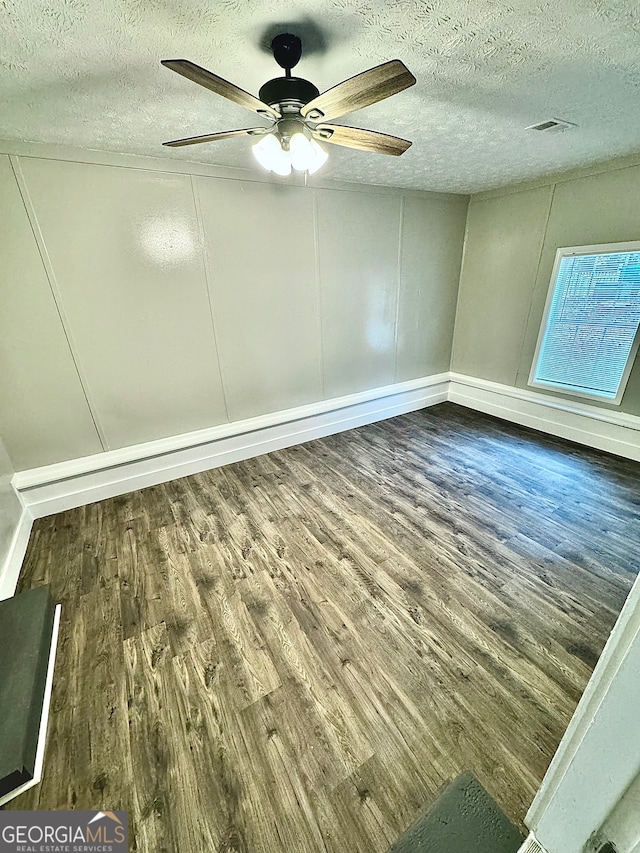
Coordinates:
[26,628]
[463,819]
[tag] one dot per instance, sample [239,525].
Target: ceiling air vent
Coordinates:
[551,124]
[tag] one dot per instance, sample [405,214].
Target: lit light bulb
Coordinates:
[306,154]
[263,152]
[282,163]
[319,157]
[268,152]
[301,154]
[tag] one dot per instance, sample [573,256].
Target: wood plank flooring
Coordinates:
[295,652]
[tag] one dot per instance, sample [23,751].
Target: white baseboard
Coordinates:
[11,569]
[602,429]
[531,845]
[55,488]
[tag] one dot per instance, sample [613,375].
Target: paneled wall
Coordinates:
[510,248]
[139,303]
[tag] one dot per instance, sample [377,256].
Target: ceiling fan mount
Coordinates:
[296,107]
[287,50]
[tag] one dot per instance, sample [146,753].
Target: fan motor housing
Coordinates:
[287,90]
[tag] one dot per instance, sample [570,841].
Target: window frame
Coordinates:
[573,251]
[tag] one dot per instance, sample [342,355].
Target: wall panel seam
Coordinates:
[525,329]
[398,289]
[318,281]
[56,294]
[207,278]
[463,255]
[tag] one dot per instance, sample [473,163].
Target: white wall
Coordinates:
[622,826]
[43,411]
[142,301]
[511,241]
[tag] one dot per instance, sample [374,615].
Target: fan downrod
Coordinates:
[288,93]
[287,50]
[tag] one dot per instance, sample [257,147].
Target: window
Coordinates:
[589,333]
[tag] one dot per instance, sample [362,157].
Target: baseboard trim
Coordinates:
[11,569]
[602,429]
[55,488]
[532,845]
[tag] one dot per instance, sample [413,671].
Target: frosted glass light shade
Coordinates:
[319,157]
[305,155]
[301,154]
[270,155]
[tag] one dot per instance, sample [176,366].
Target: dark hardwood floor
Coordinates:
[295,652]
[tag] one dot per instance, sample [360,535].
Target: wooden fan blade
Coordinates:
[360,91]
[363,140]
[213,137]
[220,86]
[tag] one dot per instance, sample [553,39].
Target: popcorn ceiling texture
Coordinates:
[86,73]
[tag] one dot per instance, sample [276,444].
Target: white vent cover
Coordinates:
[551,124]
[531,845]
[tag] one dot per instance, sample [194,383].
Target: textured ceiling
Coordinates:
[87,73]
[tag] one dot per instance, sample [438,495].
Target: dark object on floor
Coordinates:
[26,627]
[463,819]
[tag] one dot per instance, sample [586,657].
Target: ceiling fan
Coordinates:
[299,114]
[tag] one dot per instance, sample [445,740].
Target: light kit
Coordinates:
[280,154]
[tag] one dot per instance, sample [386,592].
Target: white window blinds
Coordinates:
[591,324]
